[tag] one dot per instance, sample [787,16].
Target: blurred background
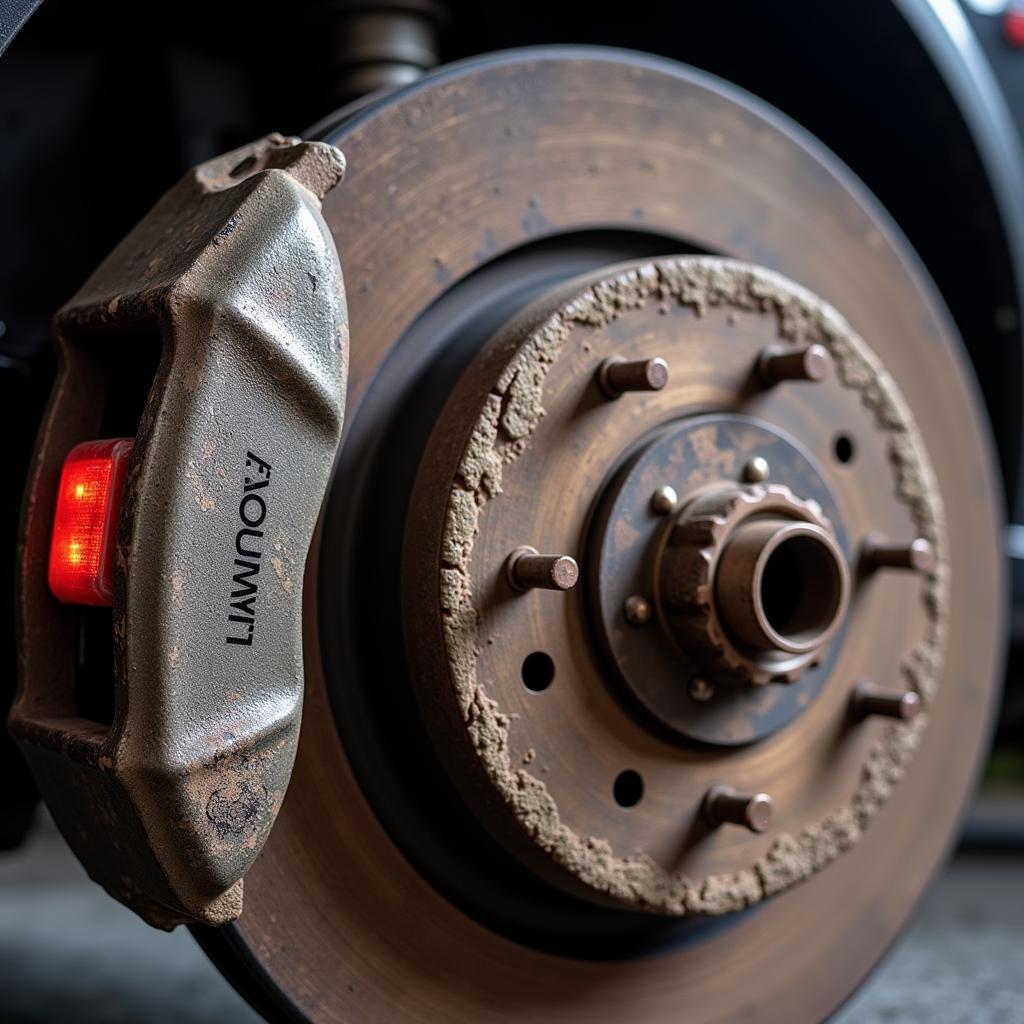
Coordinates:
[103,105]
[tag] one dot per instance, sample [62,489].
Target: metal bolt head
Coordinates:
[637,610]
[756,470]
[921,555]
[759,812]
[910,706]
[700,689]
[664,500]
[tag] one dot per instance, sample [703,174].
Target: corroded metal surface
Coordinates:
[234,281]
[706,608]
[477,165]
[627,542]
[516,411]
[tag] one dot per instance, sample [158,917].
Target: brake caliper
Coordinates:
[162,730]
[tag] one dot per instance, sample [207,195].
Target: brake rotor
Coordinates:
[495,818]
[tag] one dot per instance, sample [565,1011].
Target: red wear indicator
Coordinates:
[85,523]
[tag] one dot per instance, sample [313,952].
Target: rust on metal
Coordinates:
[511,388]
[528,570]
[616,375]
[328,901]
[628,545]
[801,606]
[752,578]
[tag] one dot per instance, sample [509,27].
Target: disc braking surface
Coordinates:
[349,914]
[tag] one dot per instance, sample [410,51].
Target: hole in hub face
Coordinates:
[801,590]
[628,788]
[780,585]
[538,671]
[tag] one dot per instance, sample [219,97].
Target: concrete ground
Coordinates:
[68,953]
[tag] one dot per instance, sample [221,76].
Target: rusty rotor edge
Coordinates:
[511,413]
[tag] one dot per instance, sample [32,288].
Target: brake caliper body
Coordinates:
[234,281]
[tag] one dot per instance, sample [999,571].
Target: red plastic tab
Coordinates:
[1013,27]
[85,523]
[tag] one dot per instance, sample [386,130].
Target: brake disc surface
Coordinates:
[403,881]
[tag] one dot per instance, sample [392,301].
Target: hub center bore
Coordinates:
[752,583]
[780,586]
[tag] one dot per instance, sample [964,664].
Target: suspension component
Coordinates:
[373,45]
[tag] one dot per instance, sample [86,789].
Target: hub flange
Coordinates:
[676,670]
[529,428]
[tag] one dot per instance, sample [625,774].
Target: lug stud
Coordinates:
[664,500]
[756,471]
[637,610]
[869,699]
[723,805]
[528,570]
[616,376]
[878,552]
[807,362]
[700,689]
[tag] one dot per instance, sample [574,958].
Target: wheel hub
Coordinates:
[749,582]
[676,657]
